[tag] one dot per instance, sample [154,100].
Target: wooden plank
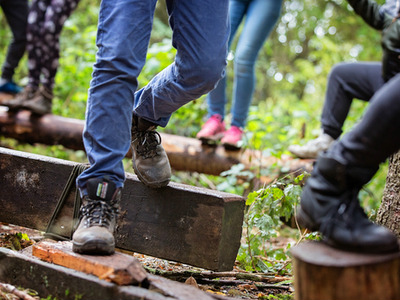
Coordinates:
[322,272]
[119,268]
[187,224]
[23,269]
[185,154]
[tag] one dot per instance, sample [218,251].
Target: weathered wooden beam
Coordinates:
[182,223]
[25,270]
[322,272]
[185,154]
[120,268]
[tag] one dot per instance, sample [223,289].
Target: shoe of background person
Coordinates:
[312,148]
[98,218]
[232,138]
[41,103]
[149,159]
[212,130]
[9,87]
[17,102]
[329,204]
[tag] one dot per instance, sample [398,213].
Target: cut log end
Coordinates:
[322,272]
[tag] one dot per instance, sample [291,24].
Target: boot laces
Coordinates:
[148,142]
[98,213]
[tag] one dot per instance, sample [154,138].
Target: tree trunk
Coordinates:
[389,211]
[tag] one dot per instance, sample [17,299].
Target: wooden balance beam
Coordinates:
[192,225]
[324,273]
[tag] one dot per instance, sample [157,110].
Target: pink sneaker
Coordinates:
[232,138]
[212,130]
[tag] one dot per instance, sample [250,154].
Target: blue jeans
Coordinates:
[261,17]
[200,35]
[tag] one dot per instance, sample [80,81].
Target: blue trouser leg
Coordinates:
[348,81]
[200,32]
[261,17]
[377,136]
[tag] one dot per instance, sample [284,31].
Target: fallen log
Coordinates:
[196,226]
[322,272]
[185,154]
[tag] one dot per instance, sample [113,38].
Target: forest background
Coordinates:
[292,70]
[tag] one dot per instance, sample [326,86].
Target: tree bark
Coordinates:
[389,211]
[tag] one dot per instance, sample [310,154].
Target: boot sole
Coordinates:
[153,185]
[96,247]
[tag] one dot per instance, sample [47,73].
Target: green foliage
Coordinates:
[266,210]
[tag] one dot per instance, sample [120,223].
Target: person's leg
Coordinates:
[123,35]
[120,58]
[56,14]
[261,18]
[35,44]
[16,13]
[329,202]
[213,129]
[200,35]
[376,137]
[216,99]
[346,81]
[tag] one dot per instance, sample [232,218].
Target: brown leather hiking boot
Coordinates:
[98,218]
[17,103]
[149,159]
[41,103]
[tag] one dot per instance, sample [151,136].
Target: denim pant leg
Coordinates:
[261,18]
[377,136]
[16,12]
[216,99]
[348,81]
[200,35]
[123,35]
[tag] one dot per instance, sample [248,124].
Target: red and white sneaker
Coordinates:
[232,139]
[212,130]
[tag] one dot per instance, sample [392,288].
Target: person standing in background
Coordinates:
[260,18]
[16,13]
[45,21]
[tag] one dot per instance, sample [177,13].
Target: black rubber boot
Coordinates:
[98,217]
[149,159]
[330,205]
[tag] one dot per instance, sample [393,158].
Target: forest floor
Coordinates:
[236,284]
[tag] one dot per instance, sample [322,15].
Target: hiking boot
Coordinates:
[329,204]
[98,217]
[17,102]
[313,147]
[9,87]
[233,138]
[149,159]
[41,104]
[212,130]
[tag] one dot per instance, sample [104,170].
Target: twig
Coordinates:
[13,290]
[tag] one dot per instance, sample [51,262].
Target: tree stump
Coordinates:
[325,273]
